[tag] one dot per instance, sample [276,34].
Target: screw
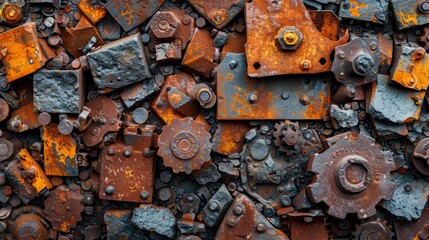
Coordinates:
[233,64]
[305,100]
[110,190]
[144,194]
[342,54]
[253,98]
[261,227]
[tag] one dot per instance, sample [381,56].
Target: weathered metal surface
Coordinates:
[184,145]
[351,176]
[410,13]
[364,10]
[64,201]
[200,59]
[173,26]
[218,13]
[285,97]
[59,91]
[410,68]
[27,177]
[105,119]
[216,207]
[75,39]
[129,65]
[373,227]
[119,225]
[357,62]
[380,109]
[127,169]
[229,137]
[21,51]
[300,228]
[420,156]
[264,19]
[413,230]
[93,12]
[409,197]
[244,220]
[161,104]
[131,13]
[59,152]
[28,223]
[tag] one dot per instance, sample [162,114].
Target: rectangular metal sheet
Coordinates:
[277,97]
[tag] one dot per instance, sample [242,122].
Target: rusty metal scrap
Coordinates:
[351,176]
[235,119]
[282,39]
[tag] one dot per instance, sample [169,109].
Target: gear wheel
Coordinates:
[373,229]
[184,145]
[352,176]
[287,137]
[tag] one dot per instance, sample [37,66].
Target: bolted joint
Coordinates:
[289,38]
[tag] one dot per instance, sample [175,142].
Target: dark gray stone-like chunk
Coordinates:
[59,91]
[149,217]
[119,63]
[217,206]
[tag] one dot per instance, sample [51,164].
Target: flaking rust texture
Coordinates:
[207,119]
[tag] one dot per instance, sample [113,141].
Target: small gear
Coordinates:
[184,145]
[287,137]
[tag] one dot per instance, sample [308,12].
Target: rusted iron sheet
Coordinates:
[59,152]
[243,220]
[197,58]
[75,39]
[64,201]
[351,176]
[327,23]
[21,51]
[229,137]
[27,177]
[184,145]
[161,105]
[300,229]
[286,97]
[127,169]
[131,13]
[172,26]
[411,67]
[410,13]
[93,12]
[366,10]
[218,13]
[105,120]
[266,54]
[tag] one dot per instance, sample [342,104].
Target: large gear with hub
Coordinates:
[184,145]
[352,176]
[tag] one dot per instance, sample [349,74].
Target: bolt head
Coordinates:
[289,38]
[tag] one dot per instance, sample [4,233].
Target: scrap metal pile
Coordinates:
[208,119]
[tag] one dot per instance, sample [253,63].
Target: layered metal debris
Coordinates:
[193,119]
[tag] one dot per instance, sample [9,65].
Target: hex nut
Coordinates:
[289,38]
